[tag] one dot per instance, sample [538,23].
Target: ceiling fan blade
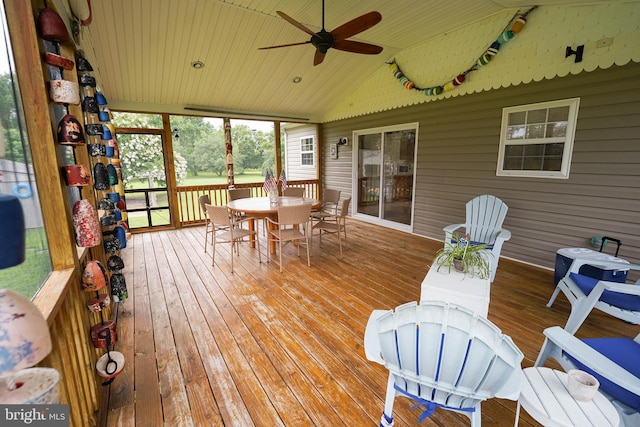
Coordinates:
[357,47]
[295,23]
[284,45]
[356,25]
[318,57]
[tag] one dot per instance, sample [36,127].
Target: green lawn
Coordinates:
[26,278]
[208,178]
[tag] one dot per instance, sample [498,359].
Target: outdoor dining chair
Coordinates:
[204,200]
[239,193]
[442,355]
[613,361]
[293,192]
[292,225]
[585,293]
[484,217]
[334,224]
[228,230]
[328,205]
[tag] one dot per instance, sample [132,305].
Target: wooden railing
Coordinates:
[63,304]
[189,209]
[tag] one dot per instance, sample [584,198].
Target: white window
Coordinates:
[307,152]
[536,140]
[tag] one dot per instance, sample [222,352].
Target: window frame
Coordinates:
[312,151]
[567,139]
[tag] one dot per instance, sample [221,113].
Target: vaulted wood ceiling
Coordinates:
[142,50]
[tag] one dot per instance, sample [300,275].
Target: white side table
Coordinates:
[545,397]
[455,287]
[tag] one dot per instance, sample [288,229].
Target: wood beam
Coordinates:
[56,211]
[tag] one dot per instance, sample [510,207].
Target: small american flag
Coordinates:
[270,183]
[283,180]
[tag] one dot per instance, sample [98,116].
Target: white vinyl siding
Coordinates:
[294,135]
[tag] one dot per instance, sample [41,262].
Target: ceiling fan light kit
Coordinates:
[324,40]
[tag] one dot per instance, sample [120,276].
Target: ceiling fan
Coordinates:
[324,40]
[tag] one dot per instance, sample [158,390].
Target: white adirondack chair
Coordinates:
[585,293]
[613,361]
[483,223]
[442,355]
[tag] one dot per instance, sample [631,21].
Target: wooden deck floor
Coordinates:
[205,347]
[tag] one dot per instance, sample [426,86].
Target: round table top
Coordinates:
[263,205]
[546,398]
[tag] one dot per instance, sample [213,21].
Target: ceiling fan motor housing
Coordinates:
[323,41]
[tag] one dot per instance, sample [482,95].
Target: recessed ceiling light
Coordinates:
[197,65]
[297,79]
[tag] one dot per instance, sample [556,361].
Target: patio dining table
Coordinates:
[262,207]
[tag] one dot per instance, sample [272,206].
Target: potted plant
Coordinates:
[465,257]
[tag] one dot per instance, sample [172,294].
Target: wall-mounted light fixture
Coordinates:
[343,140]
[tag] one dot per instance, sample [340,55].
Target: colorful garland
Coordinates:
[507,34]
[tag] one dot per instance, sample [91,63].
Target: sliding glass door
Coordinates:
[384,159]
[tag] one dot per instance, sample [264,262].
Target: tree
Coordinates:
[268,157]
[191,136]
[13,135]
[248,144]
[213,152]
[141,155]
[198,145]
[201,143]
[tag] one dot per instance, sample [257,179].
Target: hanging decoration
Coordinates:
[82,10]
[515,26]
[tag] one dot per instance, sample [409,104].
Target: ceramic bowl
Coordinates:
[31,386]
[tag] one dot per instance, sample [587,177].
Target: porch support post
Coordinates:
[320,161]
[228,151]
[278,158]
[170,172]
[56,209]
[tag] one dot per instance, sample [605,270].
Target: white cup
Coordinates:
[582,386]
